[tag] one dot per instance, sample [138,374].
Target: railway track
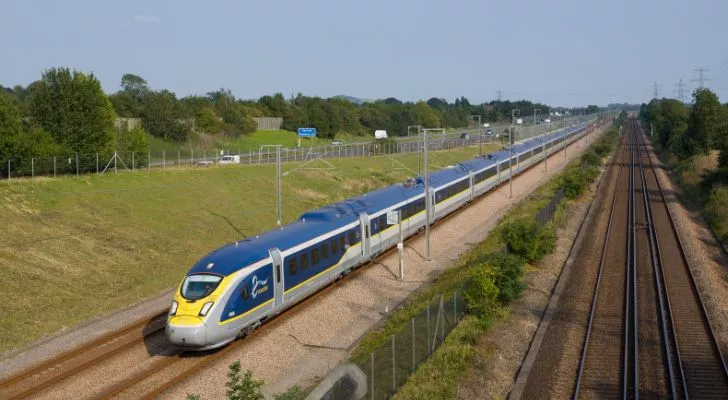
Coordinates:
[648,334]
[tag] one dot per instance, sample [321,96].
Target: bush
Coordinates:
[507,273]
[591,157]
[717,211]
[242,388]
[481,293]
[293,393]
[527,239]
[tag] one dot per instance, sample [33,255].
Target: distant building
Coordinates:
[127,124]
[269,123]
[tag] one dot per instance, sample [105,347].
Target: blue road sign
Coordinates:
[307,132]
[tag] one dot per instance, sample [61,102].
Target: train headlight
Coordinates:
[173,308]
[205,308]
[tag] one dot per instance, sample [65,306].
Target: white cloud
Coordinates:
[146,19]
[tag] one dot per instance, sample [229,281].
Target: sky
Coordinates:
[559,52]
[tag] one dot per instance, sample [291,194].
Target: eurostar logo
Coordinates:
[256,282]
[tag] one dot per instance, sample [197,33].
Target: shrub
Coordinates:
[293,393]
[242,388]
[527,239]
[576,179]
[717,211]
[591,157]
[507,273]
[481,293]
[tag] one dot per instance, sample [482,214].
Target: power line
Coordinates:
[655,91]
[701,78]
[681,91]
[500,94]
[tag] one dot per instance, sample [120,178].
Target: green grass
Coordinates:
[73,248]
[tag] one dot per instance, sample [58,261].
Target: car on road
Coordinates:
[465,136]
[230,159]
[337,142]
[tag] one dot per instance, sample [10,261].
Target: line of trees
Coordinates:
[67,112]
[693,129]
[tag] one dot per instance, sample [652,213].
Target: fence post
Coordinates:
[413,346]
[149,161]
[192,158]
[427,339]
[371,389]
[32,167]
[442,326]
[133,160]
[164,159]
[97,162]
[76,164]
[54,166]
[179,165]
[8,169]
[394,368]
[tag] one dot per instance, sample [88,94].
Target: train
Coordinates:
[234,289]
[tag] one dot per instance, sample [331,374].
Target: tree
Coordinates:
[703,123]
[10,130]
[164,117]
[134,140]
[134,84]
[73,108]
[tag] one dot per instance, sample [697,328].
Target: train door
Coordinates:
[472,185]
[278,278]
[365,236]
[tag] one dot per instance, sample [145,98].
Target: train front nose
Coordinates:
[186,331]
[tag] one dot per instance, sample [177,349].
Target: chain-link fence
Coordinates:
[545,214]
[78,164]
[388,367]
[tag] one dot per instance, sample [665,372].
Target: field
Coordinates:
[74,248]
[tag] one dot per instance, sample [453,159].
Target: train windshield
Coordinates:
[196,287]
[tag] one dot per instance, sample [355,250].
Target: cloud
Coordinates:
[145,19]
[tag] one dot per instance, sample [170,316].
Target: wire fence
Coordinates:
[545,214]
[389,367]
[100,163]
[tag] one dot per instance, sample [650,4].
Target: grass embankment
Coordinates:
[245,142]
[495,280]
[703,187]
[73,248]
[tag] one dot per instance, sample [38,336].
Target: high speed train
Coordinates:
[234,289]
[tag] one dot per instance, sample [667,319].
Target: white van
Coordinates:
[380,134]
[230,159]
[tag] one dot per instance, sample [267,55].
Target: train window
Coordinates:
[334,246]
[304,260]
[342,242]
[293,266]
[278,273]
[352,238]
[199,286]
[383,222]
[244,291]
[325,251]
[315,256]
